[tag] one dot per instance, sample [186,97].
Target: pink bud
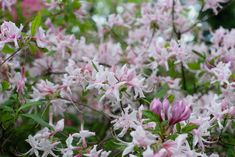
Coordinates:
[165,104]
[156,106]
[180,112]
[21,82]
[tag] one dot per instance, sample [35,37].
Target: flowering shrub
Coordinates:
[150,78]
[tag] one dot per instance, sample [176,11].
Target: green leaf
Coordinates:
[76,5]
[189,127]
[7,49]
[171,98]
[194,66]
[113,144]
[33,47]
[162,91]
[37,119]
[178,127]
[30,104]
[5,85]
[93,64]
[151,116]
[7,119]
[199,54]
[36,23]
[144,101]
[6,108]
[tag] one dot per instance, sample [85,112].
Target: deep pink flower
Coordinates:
[176,113]
[31,6]
[160,108]
[156,106]
[180,112]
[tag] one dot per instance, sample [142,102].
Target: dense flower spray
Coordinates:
[143,80]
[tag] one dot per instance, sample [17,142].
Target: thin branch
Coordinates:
[11,56]
[183,76]
[173,21]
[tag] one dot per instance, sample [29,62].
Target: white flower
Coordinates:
[59,126]
[148,152]
[128,149]
[95,153]
[40,143]
[82,135]
[68,152]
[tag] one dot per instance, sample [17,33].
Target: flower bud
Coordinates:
[180,111]
[156,106]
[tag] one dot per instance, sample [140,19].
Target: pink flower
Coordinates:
[43,89]
[31,6]
[10,33]
[222,72]
[41,38]
[7,4]
[116,20]
[213,4]
[160,108]
[142,137]
[178,112]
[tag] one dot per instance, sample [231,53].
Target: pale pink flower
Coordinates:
[214,5]
[142,138]
[222,72]
[41,38]
[116,20]
[7,4]
[218,36]
[10,33]
[125,121]
[43,89]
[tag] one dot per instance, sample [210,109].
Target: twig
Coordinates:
[173,21]
[11,56]
[183,76]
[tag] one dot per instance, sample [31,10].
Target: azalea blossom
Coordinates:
[10,33]
[214,5]
[82,135]
[7,4]
[179,111]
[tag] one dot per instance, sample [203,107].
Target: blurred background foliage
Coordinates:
[226,18]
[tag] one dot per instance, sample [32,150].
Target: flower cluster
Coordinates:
[144,80]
